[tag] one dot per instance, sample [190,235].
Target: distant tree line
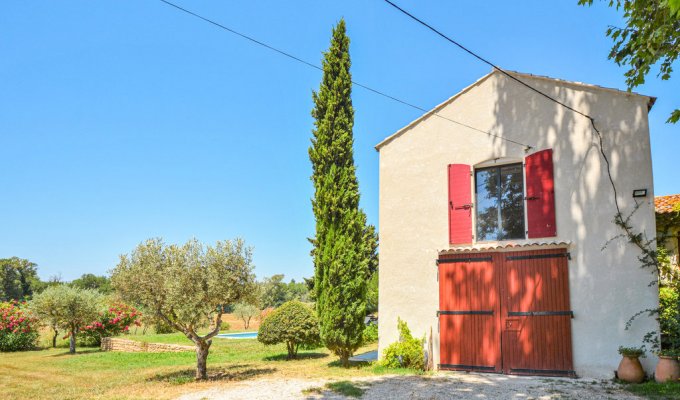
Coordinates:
[19,280]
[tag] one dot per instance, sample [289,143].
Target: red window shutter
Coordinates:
[540,188]
[460,204]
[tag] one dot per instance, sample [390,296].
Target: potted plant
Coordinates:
[630,370]
[668,368]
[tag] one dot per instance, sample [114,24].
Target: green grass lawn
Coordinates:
[53,373]
[653,390]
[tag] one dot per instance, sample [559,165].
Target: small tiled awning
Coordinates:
[507,246]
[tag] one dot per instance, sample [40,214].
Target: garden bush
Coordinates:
[115,320]
[669,318]
[18,328]
[294,324]
[407,352]
[370,334]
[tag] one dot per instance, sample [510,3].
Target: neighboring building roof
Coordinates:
[666,204]
[650,102]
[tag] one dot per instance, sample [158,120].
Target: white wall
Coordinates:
[607,286]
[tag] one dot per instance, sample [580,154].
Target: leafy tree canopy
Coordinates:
[92,281]
[187,285]
[294,324]
[18,278]
[68,308]
[651,37]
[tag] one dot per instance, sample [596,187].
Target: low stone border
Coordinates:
[133,346]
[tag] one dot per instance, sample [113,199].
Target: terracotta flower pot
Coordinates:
[630,370]
[667,369]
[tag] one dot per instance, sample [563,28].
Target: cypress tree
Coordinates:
[344,246]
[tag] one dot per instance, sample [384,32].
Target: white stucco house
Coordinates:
[493,250]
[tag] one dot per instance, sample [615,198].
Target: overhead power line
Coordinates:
[547,96]
[361,85]
[484,60]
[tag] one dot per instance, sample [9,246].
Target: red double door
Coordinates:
[506,312]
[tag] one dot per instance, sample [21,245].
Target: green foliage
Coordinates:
[631,351]
[18,278]
[113,321]
[294,324]
[346,388]
[653,390]
[669,319]
[407,352]
[344,246]
[92,281]
[68,308]
[370,334]
[18,328]
[650,38]
[186,285]
[246,312]
[274,291]
[223,328]
[372,294]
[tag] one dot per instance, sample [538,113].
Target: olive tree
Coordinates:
[187,285]
[68,308]
[246,312]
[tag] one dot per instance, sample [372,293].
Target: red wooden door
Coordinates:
[505,312]
[469,313]
[536,336]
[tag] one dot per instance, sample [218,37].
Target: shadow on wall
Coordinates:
[584,196]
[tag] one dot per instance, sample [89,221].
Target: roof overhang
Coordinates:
[650,99]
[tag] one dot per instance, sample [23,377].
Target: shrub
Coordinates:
[632,351]
[407,352]
[225,326]
[370,334]
[18,329]
[112,322]
[294,324]
[669,318]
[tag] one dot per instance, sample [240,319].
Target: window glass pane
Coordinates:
[511,202]
[486,181]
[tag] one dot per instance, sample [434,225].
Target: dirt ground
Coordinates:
[439,386]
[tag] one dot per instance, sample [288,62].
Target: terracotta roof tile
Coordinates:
[666,204]
[519,244]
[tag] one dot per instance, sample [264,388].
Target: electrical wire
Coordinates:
[312,65]
[499,69]
[484,60]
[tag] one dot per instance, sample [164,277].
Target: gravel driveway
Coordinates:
[439,386]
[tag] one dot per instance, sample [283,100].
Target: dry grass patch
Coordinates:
[93,374]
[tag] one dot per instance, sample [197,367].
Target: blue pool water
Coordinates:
[243,335]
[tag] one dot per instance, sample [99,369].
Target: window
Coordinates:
[499,195]
[499,203]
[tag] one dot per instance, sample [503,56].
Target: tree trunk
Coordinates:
[72,342]
[202,347]
[54,338]
[344,358]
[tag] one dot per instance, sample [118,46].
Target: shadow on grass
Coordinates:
[352,364]
[78,352]
[232,373]
[300,356]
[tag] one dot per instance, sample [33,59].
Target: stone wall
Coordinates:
[133,346]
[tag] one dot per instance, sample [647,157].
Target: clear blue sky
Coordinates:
[124,120]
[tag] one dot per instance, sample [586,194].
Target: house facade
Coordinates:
[493,250]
